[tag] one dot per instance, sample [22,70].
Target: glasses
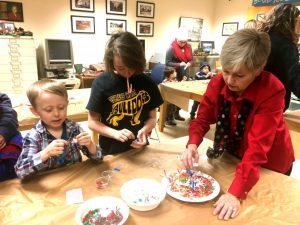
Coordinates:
[182,42]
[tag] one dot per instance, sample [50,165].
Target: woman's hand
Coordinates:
[189,156]
[228,206]
[123,135]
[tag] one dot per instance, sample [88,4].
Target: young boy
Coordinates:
[170,76]
[203,74]
[247,104]
[10,139]
[54,141]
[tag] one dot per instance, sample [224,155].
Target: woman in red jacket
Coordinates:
[247,104]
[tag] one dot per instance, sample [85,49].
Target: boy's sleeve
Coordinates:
[8,118]
[29,161]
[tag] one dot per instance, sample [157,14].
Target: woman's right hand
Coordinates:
[123,135]
[189,156]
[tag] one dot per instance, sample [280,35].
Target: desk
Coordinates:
[179,94]
[274,199]
[87,79]
[78,99]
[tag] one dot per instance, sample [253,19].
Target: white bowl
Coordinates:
[143,194]
[105,204]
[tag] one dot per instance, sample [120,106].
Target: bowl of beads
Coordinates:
[104,210]
[143,194]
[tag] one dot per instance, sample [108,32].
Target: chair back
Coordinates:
[157,73]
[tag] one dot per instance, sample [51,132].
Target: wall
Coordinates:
[51,19]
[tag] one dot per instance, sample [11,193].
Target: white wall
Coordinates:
[52,19]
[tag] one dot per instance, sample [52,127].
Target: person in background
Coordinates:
[282,24]
[203,74]
[10,139]
[179,55]
[55,140]
[247,104]
[123,101]
[170,76]
[251,24]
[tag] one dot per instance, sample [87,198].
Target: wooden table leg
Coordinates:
[162,116]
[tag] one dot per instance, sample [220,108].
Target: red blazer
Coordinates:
[266,140]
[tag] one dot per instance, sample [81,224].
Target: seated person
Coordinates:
[170,76]
[55,140]
[10,139]
[204,73]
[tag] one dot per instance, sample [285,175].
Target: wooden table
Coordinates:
[274,199]
[179,94]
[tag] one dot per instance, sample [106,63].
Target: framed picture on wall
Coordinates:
[117,7]
[229,28]
[194,27]
[144,29]
[83,24]
[145,9]
[114,25]
[83,5]
[11,11]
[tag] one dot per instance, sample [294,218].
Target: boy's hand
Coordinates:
[2,142]
[123,135]
[140,141]
[55,148]
[84,138]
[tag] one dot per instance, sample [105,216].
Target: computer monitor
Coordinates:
[207,46]
[58,57]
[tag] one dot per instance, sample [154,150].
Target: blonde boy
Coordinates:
[55,140]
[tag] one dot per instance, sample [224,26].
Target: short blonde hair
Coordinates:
[247,47]
[51,86]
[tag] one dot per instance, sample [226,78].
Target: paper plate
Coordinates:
[200,188]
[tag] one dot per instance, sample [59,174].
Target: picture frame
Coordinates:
[260,16]
[11,11]
[207,46]
[144,29]
[83,24]
[114,25]
[229,28]
[7,27]
[194,27]
[142,41]
[145,9]
[83,5]
[116,7]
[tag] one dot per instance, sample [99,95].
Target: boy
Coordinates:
[170,76]
[10,139]
[247,104]
[54,141]
[203,74]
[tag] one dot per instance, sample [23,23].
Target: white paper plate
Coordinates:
[179,196]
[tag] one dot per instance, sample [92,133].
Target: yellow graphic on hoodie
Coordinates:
[129,104]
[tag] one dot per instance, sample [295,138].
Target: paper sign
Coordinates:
[74,196]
